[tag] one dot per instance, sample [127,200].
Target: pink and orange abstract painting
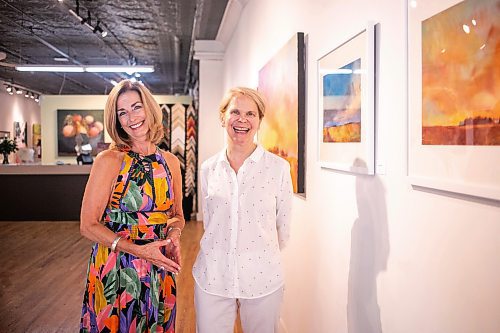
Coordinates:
[282,83]
[461,75]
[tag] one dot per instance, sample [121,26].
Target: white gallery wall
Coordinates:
[370,253]
[18,108]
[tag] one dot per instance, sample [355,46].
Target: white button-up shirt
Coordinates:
[247,221]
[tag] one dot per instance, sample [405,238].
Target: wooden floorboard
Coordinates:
[42,276]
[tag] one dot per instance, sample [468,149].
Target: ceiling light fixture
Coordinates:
[81,69]
[50,68]
[98,28]
[88,20]
[13,88]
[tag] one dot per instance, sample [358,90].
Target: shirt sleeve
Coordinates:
[284,207]
[204,193]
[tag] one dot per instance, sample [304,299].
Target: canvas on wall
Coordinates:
[76,128]
[282,131]
[346,80]
[21,133]
[460,75]
[454,96]
[37,135]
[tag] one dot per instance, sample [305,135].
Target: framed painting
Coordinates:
[454,96]
[4,134]
[282,83]
[37,135]
[76,128]
[21,133]
[347,105]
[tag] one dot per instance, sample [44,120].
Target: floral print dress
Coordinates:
[124,293]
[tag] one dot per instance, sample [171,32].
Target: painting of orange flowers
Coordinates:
[282,131]
[461,75]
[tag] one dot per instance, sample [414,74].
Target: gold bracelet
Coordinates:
[174,228]
[115,242]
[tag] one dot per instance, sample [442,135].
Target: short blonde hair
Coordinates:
[253,94]
[152,109]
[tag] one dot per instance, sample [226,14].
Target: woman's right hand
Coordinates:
[152,253]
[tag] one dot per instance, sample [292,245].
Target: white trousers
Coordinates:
[218,314]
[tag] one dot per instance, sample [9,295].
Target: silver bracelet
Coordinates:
[174,228]
[115,242]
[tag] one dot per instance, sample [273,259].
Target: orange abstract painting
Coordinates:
[282,129]
[461,75]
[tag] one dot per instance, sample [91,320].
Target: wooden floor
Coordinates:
[42,276]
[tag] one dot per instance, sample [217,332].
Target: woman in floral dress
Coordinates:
[132,211]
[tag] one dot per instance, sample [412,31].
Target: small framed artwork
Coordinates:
[4,135]
[347,105]
[77,128]
[21,133]
[454,96]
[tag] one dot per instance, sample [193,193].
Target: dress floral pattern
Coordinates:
[124,293]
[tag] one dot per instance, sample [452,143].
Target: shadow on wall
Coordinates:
[369,254]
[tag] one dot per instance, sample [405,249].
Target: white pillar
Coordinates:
[210,133]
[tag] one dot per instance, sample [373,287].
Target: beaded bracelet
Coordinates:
[115,242]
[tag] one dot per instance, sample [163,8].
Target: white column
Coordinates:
[210,133]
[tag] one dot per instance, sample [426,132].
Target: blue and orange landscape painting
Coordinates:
[342,104]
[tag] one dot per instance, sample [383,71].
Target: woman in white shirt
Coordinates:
[246,196]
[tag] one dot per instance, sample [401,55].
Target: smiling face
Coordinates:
[131,115]
[241,120]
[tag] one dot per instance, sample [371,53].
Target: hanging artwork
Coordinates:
[21,133]
[454,96]
[37,140]
[76,128]
[282,83]
[347,106]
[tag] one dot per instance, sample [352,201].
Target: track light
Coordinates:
[87,20]
[76,12]
[98,28]
[12,88]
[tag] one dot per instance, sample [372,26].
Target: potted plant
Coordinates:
[7,146]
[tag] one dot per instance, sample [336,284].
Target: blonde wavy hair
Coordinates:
[152,109]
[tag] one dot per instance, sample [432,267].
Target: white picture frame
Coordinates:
[346,105]
[469,169]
